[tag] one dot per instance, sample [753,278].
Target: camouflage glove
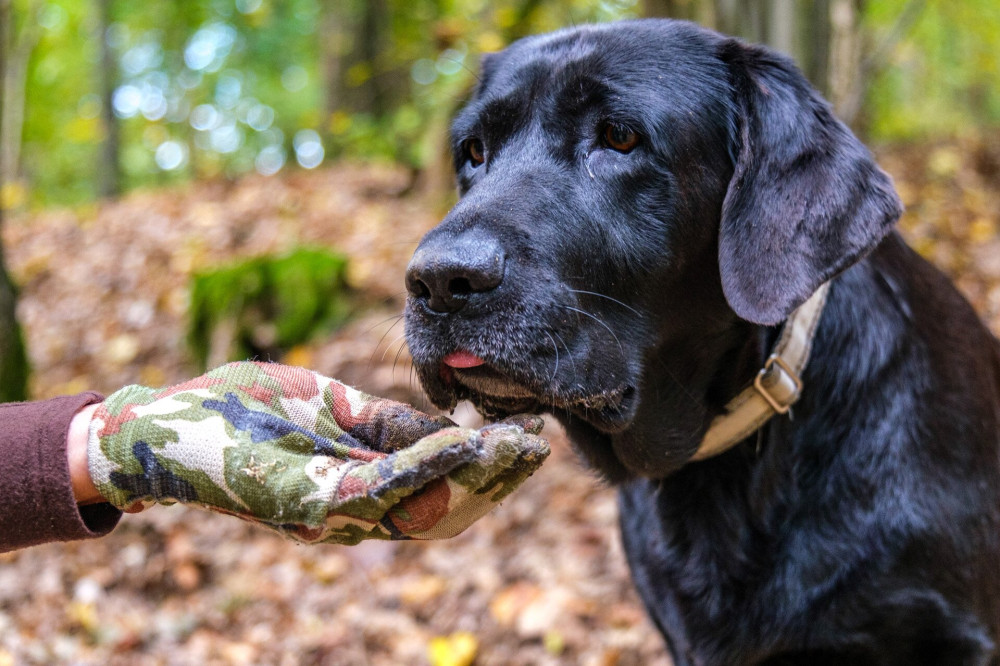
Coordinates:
[305,455]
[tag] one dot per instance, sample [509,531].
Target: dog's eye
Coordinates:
[474,151]
[620,137]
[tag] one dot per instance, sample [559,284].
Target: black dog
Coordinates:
[643,206]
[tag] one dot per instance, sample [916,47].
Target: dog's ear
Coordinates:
[806,198]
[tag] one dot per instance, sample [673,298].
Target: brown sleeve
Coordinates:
[36,498]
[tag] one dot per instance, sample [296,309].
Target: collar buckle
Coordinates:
[778,384]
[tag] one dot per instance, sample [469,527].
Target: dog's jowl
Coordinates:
[667,240]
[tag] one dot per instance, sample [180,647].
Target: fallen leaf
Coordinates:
[458,649]
[422,590]
[509,603]
[84,615]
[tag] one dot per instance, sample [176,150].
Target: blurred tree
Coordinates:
[108,167]
[334,43]
[688,10]
[828,39]
[13,360]
[823,37]
[373,69]
[360,74]
[20,39]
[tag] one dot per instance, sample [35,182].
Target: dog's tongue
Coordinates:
[462,359]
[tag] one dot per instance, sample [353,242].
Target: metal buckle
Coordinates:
[758,383]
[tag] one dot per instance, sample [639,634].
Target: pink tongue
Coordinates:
[462,359]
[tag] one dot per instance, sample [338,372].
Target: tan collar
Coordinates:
[776,387]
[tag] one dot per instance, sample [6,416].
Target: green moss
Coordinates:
[263,306]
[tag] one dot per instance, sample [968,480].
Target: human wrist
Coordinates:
[83,486]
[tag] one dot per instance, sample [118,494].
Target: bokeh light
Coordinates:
[171,155]
[309,151]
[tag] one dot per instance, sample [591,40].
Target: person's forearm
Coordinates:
[39,503]
[76,450]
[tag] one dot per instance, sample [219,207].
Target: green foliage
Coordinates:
[263,306]
[217,88]
[942,79]
[243,72]
[209,88]
[62,130]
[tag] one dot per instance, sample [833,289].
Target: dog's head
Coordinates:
[637,200]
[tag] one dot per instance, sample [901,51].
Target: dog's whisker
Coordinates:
[388,346]
[389,300]
[613,300]
[555,347]
[394,341]
[410,384]
[599,321]
[395,360]
[566,347]
[379,323]
[398,318]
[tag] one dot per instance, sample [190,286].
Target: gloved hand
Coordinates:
[305,455]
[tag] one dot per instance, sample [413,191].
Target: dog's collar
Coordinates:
[777,386]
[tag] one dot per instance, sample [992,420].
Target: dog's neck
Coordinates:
[776,387]
[713,382]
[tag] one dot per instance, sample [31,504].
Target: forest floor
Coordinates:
[541,580]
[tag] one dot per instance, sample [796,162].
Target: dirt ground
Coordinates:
[541,580]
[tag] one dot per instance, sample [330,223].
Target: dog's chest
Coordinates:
[724,589]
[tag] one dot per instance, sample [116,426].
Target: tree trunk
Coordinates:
[333,48]
[355,75]
[726,16]
[374,89]
[824,37]
[18,45]
[846,85]
[700,11]
[108,167]
[742,18]
[814,56]
[13,361]
[658,8]
[781,27]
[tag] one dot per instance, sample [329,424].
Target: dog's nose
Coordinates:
[448,271]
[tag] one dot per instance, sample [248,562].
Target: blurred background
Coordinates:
[187,182]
